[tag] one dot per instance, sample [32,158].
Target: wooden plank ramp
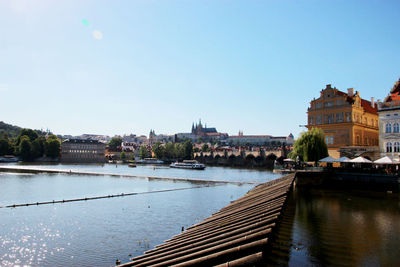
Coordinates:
[236,235]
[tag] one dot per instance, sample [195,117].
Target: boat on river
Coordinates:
[8,159]
[188,164]
[150,161]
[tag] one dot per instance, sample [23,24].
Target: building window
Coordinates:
[339,117]
[319,119]
[389,147]
[396,146]
[358,140]
[396,127]
[388,128]
[329,118]
[328,104]
[329,140]
[348,116]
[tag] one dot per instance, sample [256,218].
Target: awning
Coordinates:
[385,160]
[360,160]
[327,159]
[342,159]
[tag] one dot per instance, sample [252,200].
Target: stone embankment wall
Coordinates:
[349,179]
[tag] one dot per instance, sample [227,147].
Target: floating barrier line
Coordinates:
[98,197]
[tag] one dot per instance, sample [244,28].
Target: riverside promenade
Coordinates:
[239,234]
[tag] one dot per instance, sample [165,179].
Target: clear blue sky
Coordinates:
[115,67]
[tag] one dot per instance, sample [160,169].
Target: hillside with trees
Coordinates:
[27,144]
[10,130]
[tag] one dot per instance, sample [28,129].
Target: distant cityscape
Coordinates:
[352,126]
[199,133]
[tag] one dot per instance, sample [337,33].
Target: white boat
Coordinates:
[149,161]
[188,164]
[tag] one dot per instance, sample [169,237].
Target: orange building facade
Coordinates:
[346,118]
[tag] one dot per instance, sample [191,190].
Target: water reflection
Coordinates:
[345,229]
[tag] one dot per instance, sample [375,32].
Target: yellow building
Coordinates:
[350,123]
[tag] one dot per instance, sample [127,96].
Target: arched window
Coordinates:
[389,147]
[396,127]
[388,128]
[396,146]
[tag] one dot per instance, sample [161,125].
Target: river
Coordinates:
[96,233]
[319,227]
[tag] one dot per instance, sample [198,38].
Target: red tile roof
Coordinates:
[394,93]
[364,103]
[368,108]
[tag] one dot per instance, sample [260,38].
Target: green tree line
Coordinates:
[171,150]
[29,145]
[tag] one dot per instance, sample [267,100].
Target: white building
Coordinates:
[389,123]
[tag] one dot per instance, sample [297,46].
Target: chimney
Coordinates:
[328,86]
[373,102]
[350,91]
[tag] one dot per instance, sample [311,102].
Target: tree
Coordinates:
[169,151]
[31,134]
[188,150]
[178,151]
[6,145]
[143,152]
[158,150]
[52,147]
[310,146]
[38,147]
[205,147]
[25,148]
[114,143]
[123,155]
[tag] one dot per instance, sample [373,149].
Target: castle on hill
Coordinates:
[199,130]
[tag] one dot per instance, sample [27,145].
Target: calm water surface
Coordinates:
[96,233]
[336,228]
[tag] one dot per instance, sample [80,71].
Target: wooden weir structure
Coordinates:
[237,235]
